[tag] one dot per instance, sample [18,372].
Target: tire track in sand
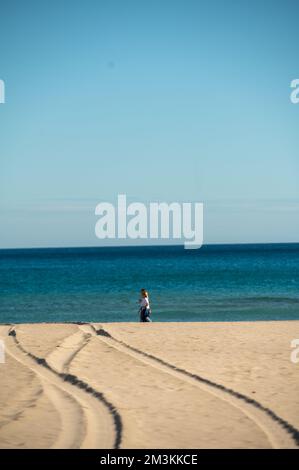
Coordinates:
[71,396]
[279,432]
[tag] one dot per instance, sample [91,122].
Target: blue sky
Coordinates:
[161,100]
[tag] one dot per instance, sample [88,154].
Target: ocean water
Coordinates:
[214,283]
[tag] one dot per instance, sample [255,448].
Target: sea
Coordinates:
[214,283]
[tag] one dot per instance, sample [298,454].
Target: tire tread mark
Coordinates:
[289,428]
[74,380]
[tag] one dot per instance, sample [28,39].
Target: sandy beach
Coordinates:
[159,385]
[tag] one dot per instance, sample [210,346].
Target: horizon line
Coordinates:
[144,246]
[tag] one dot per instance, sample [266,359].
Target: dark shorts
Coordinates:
[145,314]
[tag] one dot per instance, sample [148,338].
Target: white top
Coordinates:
[144,302]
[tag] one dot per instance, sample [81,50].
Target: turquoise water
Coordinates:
[214,283]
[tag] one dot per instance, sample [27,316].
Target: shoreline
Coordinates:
[153,322]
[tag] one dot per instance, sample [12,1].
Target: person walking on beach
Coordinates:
[145,310]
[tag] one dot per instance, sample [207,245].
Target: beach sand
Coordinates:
[150,385]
